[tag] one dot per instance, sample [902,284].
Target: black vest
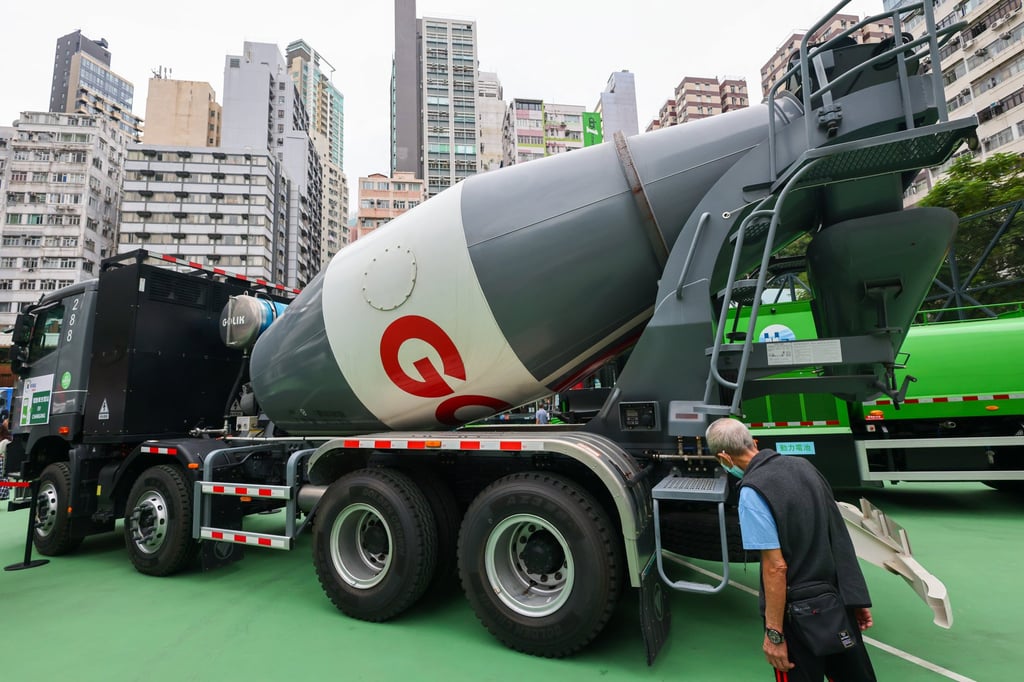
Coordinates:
[812,533]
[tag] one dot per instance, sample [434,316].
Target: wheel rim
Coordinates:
[149,522]
[46,509]
[523,567]
[361,546]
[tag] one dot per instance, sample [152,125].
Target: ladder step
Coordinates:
[239,537]
[692,489]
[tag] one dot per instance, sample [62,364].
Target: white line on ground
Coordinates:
[909,657]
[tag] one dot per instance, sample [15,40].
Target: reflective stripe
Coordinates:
[221,271]
[481,444]
[951,399]
[154,450]
[278,492]
[242,538]
[769,425]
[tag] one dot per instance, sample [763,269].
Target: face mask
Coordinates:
[734,470]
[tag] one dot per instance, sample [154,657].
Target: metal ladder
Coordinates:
[692,489]
[207,489]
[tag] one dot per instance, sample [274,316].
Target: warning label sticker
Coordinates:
[824,352]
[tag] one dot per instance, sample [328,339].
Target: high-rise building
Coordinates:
[617,105]
[60,204]
[490,113]
[434,89]
[326,108]
[182,114]
[981,73]
[83,83]
[323,101]
[448,93]
[264,112]
[698,97]
[780,62]
[534,129]
[67,47]
[382,199]
[216,206]
[406,145]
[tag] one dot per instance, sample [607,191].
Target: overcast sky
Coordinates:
[561,52]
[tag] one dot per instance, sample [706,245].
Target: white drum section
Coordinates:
[410,328]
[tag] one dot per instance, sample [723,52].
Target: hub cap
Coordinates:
[148,522]
[361,546]
[529,565]
[46,509]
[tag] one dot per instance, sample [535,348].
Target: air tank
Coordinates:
[496,292]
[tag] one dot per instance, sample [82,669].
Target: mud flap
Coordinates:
[884,543]
[655,612]
[224,512]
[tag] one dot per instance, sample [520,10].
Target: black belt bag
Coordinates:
[819,618]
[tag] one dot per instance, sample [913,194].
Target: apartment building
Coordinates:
[83,83]
[382,199]
[534,129]
[264,112]
[617,105]
[59,205]
[216,206]
[780,60]
[490,114]
[698,97]
[182,113]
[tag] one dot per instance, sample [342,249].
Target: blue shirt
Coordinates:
[757,525]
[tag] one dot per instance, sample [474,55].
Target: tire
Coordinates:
[374,543]
[696,534]
[447,517]
[158,522]
[52,534]
[557,600]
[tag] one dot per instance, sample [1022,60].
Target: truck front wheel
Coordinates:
[540,564]
[158,522]
[374,543]
[52,534]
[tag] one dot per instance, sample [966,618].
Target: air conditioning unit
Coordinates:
[965,92]
[1007,35]
[968,43]
[1000,21]
[981,52]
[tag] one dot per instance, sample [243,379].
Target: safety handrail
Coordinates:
[900,51]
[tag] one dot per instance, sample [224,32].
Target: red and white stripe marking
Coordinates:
[225,273]
[771,425]
[157,450]
[482,444]
[991,397]
[277,492]
[242,538]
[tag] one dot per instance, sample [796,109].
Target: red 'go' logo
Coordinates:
[431,383]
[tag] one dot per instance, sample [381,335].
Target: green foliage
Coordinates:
[973,186]
[985,194]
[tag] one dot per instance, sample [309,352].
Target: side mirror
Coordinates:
[22,332]
[19,357]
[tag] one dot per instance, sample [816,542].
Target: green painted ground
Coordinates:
[90,616]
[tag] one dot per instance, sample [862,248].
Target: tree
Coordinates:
[973,186]
[986,264]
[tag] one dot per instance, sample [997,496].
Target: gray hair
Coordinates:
[730,436]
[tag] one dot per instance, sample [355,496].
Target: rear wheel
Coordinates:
[52,535]
[374,543]
[540,564]
[158,522]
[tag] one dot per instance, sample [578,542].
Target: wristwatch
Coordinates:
[774,636]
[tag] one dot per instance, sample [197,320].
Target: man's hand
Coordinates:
[863,617]
[777,655]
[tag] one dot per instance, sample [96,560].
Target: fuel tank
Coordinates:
[495,292]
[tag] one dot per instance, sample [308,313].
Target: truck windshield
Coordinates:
[46,333]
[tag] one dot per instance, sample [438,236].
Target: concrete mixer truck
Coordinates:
[181,403]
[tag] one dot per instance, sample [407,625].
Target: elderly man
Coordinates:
[788,513]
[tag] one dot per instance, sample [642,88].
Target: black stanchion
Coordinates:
[29,562]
